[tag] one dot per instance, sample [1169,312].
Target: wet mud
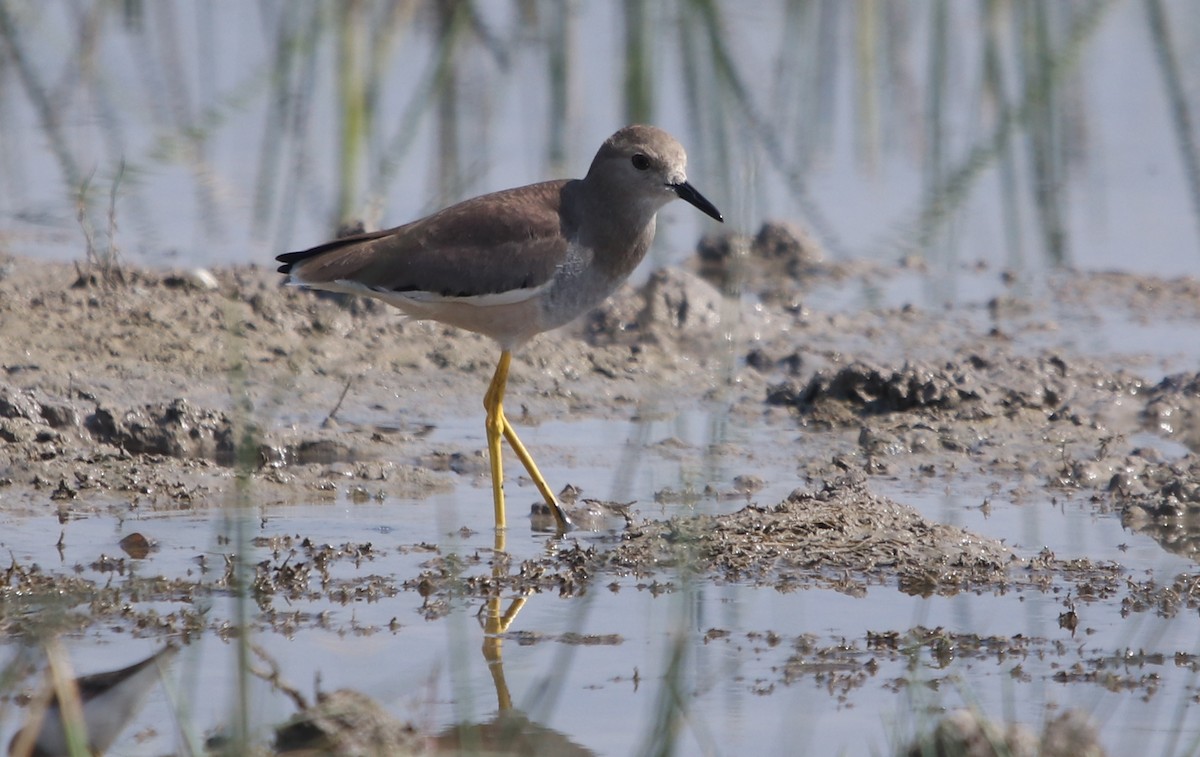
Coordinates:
[173,391]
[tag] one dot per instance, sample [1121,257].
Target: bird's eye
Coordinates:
[640,162]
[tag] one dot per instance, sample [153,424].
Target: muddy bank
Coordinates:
[154,392]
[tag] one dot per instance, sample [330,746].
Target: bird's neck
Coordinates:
[620,225]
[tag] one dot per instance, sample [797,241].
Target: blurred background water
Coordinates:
[1024,134]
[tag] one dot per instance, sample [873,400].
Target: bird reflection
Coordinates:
[510,731]
[347,722]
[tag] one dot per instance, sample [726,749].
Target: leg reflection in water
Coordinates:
[497,623]
[510,731]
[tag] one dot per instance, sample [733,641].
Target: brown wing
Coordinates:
[495,243]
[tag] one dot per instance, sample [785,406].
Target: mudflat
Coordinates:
[161,391]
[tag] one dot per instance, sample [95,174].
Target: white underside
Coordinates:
[417,299]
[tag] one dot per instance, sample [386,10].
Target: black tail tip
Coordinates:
[289,259]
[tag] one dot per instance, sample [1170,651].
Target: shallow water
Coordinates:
[740,693]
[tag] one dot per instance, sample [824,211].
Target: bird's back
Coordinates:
[501,242]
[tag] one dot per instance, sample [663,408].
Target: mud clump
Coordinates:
[26,417]
[671,308]
[18,404]
[769,263]
[176,429]
[1173,407]
[838,536]
[1161,500]
[346,722]
[969,734]
[969,386]
[875,390]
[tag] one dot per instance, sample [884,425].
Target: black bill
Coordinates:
[689,194]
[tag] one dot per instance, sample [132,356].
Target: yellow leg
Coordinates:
[497,426]
[560,517]
[494,426]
